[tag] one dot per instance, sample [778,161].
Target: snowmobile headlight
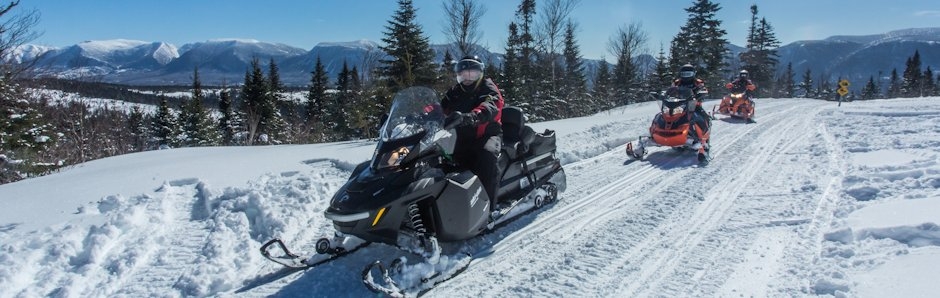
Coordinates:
[678,110]
[736,95]
[394,158]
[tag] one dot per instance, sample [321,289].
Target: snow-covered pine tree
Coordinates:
[164,126]
[894,85]
[626,44]
[228,124]
[252,98]
[272,120]
[807,84]
[824,90]
[196,125]
[786,84]
[870,91]
[661,77]
[603,89]
[526,82]
[509,79]
[760,57]
[446,75]
[928,86]
[410,60]
[574,86]
[316,101]
[701,42]
[336,111]
[910,85]
[24,134]
[136,130]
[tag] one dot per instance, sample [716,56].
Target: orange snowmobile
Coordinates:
[737,104]
[677,125]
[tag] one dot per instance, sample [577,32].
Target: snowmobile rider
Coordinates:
[476,104]
[742,84]
[687,79]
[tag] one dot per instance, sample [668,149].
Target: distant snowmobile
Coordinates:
[737,105]
[411,195]
[676,125]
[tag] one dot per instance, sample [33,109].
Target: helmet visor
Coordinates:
[469,75]
[687,74]
[468,64]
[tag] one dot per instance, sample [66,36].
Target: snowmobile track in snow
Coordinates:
[641,203]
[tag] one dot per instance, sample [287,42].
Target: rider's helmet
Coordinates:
[686,72]
[469,70]
[743,74]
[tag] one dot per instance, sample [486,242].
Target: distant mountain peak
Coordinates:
[362,43]
[241,40]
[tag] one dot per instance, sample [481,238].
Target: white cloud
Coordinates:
[927,13]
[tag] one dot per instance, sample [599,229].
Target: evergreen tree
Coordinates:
[361,116]
[446,73]
[625,46]
[870,91]
[137,130]
[253,96]
[662,76]
[527,83]
[411,58]
[573,82]
[335,112]
[509,78]
[807,84]
[760,57]
[227,122]
[196,125]
[786,86]
[164,126]
[910,86]
[824,90]
[272,120]
[701,42]
[24,133]
[603,89]
[317,100]
[894,85]
[927,85]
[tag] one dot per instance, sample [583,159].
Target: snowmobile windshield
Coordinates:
[414,110]
[413,124]
[679,94]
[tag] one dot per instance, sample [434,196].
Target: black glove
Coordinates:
[470,118]
[453,120]
[457,119]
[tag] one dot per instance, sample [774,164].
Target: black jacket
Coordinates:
[482,98]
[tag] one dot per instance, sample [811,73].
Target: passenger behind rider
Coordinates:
[476,105]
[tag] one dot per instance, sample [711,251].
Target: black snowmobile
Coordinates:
[412,195]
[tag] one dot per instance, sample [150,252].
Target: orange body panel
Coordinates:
[670,137]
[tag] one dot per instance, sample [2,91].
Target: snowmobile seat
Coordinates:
[516,135]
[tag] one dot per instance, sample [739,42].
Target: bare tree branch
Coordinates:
[462,24]
[15,31]
[551,28]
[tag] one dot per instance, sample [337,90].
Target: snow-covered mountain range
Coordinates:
[156,63]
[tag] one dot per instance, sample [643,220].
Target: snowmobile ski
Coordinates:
[325,253]
[401,280]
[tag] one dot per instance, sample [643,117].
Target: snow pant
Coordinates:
[481,158]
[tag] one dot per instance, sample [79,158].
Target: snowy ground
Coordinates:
[813,199]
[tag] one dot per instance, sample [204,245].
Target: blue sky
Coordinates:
[304,23]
